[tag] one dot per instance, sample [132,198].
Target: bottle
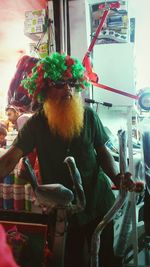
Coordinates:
[11,137]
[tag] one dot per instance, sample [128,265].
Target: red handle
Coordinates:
[139,187]
[111,5]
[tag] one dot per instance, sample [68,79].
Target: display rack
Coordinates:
[39,27]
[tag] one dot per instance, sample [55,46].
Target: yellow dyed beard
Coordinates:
[65,118]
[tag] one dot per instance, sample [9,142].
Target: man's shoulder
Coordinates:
[89,111]
[24,116]
[37,115]
[91,115]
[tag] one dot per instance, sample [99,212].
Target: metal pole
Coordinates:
[95,244]
[51,30]
[60,238]
[65,27]
[132,195]
[62,29]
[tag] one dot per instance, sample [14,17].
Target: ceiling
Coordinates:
[11,26]
[13,41]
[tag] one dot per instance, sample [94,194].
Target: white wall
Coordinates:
[127,65]
[79,28]
[114,64]
[138,64]
[113,119]
[141,10]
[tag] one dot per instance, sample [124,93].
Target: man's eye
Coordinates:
[71,84]
[59,86]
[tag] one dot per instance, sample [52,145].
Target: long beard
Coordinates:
[65,119]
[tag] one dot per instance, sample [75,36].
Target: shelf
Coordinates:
[22,216]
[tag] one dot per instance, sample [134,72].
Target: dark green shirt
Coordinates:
[52,150]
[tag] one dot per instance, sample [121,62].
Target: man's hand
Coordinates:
[126,182]
[9,160]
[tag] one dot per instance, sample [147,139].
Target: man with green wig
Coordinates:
[64,127]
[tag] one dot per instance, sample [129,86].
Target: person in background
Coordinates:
[20,105]
[4,124]
[16,95]
[16,117]
[3,134]
[65,127]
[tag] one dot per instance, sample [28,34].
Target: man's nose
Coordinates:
[67,87]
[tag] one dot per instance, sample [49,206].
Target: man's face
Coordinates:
[12,115]
[65,113]
[62,92]
[2,138]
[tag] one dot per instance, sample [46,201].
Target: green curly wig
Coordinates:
[51,70]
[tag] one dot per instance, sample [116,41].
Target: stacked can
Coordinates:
[28,197]
[18,193]
[7,196]
[19,181]
[9,179]
[8,192]
[1,195]
[18,174]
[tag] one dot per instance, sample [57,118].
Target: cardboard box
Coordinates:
[27,241]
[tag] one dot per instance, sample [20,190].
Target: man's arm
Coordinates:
[109,166]
[9,160]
